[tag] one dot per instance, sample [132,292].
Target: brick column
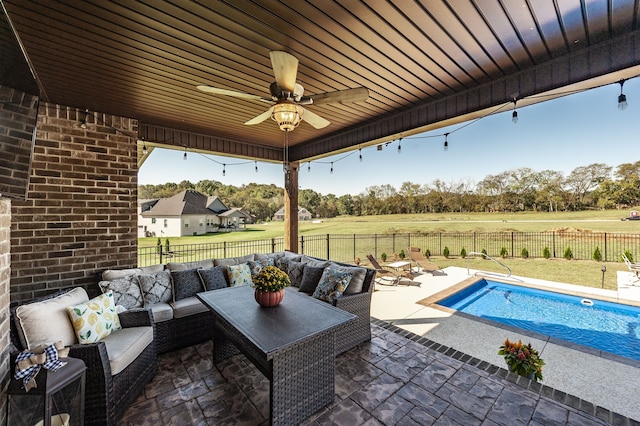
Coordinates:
[5,274]
[80,216]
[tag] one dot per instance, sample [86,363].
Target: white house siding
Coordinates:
[197,224]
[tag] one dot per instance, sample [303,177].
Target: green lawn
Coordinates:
[586,273]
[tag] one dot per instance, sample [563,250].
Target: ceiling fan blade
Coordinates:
[359,94]
[218,91]
[260,118]
[285,69]
[314,119]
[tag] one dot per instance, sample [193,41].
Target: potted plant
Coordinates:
[522,359]
[269,285]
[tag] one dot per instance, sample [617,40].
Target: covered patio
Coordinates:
[112,81]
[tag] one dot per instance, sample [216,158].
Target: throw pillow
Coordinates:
[155,288]
[213,278]
[310,277]
[332,284]
[112,274]
[95,319]
[256,265]
[185,284]
[295,271]
[357,279]
[239,275]
[126,291]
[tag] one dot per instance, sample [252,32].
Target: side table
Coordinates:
[58,399]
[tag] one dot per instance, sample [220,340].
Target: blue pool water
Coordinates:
[610,327]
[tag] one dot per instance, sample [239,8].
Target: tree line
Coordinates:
[596,186]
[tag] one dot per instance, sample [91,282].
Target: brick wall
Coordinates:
[5,273]
[80,216]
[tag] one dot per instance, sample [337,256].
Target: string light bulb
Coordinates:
[184,157]
[144,147]
[224,170]
[256,162]
[400,146]
[331,168]
[514,116]
[83,122]
[622,99]
[446,141]
[309,166]
[360,154]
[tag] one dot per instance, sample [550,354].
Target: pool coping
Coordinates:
[432,300]
[561,397]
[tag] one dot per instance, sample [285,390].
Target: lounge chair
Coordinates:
[422,263]
[384,276]
[634,267]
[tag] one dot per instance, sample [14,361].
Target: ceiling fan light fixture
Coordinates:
[287,114]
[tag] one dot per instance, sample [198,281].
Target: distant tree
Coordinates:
[568,254]
[463,253]
[524,253]
[596,254]
[445,252]
[546,253]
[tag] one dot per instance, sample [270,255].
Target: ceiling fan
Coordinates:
[287,96]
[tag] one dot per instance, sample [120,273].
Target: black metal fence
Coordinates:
[345,247]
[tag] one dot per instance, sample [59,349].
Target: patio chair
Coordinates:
[422,263]
[384,276]
[634,267]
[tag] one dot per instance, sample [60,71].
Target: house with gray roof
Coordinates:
[188,213]
[303,214]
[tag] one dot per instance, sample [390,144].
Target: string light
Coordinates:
[144,147]
[622,99]
[83,122]
[309,166]
[256,166]
[514,116]
[446,142]
[331,167]
[399,146]
[360,154]
[184,157]
[224,170]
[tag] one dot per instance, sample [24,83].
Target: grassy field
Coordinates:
[586,273]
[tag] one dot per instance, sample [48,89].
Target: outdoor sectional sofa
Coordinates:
[181,320]
[161,300]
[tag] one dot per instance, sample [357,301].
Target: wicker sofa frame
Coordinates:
[107,397]
[187,331]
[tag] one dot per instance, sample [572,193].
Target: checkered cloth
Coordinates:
[29,362]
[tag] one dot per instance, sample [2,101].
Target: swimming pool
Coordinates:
[602,325]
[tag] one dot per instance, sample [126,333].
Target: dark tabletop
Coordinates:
[297,317]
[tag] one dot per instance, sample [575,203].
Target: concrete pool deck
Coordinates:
[604,380]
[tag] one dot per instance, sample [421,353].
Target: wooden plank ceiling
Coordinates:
[144,59]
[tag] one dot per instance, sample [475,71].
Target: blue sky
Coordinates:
[561,134]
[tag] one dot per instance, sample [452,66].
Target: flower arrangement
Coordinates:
[522,359]
[270,279]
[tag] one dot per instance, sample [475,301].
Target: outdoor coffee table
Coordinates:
[401,265]
[292,344]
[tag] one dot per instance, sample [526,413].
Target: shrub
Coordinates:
[159,246]
[427,253]
[629,255]
[546,253]
[402,255]
[445,252]
[596,254]
[503,252]
[524,253]
[484,251]
[383,256]
[167,245]
[568,254]
[463,253]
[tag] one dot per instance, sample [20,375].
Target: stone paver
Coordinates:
[396,379]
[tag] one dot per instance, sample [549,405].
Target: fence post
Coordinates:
[161,262]
[375,245]
[328,248]
[301,244]
[553,241]
[605,247]
[354,247]
[224,249]
[474,241]
[512,246]
[273,245]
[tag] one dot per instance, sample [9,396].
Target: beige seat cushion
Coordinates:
[189,306]
[125,345]
[46,322]
[161,312]
[184,266]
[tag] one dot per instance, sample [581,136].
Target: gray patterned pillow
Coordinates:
[256,265]
[332,284]
[186,284]
[295,272]
[213,278]
[126,291]
[155,288]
